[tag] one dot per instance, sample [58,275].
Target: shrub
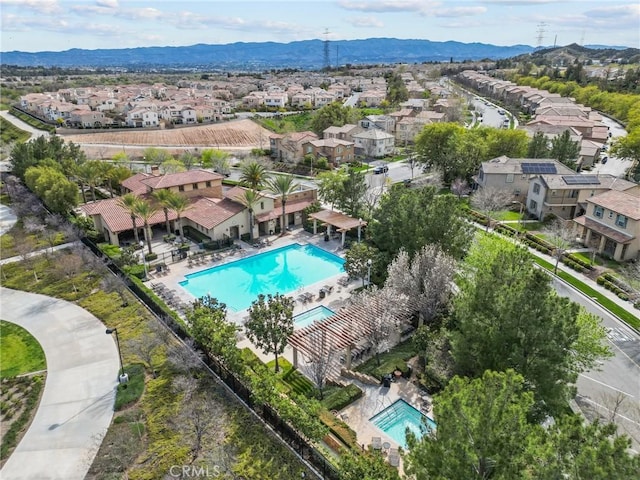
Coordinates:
[637,305]
[600,280]
[341,430]
[623,296]
[343,397]
[150,257]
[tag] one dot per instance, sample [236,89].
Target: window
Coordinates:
[553,193]
[573,193]
[194,186]
[533,205]
[621,221]
[261,205]
[208,184]
[510,178]
[598,211]
[610,214]
[536,188]
[481,176]
[181,188]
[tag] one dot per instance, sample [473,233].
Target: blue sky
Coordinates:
[55,25]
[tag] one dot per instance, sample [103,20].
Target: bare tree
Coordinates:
[145,346]
[114,283]
[371,198]
[490,200]
[460,188]
[379,313]
[53,229]
[320,359]
[426,279]
[561,234]
[184,358]
[68,265]
[25,247]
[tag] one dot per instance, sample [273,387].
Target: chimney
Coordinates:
[155,170]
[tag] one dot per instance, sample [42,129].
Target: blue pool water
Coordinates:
[282,270]
[318,313]
[396,418]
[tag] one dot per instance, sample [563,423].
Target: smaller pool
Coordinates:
[305,319]
[397,417]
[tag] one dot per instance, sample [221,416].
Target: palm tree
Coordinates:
[179,204]
[253,174]
[163,198]
[282,185]
[249,199]
[128,201]
[145,211]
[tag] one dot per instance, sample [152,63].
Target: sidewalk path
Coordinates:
[77,402]
[7,219]
[42,251]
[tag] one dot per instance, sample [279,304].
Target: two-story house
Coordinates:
[374,143]
[334,150]
[288,147]
[611,224]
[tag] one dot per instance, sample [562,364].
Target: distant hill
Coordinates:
[307,54]
[570,53]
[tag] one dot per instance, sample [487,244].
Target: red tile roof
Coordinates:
[134,183]
[118,219]
[210,212]
[181,178]
[288,208]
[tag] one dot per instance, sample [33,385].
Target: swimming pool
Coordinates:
[282,270]
[397,417]
[318,313]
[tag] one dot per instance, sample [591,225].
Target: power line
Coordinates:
[327,61]
[540,31]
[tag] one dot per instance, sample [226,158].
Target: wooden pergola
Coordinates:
[341,222]
[347,330]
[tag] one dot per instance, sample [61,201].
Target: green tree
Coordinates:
[187,160]
[163,197]
[411,218]
[509,142]
[331,186]
[270,323]
[538,146]
[396,89]
[179,204]
[145,211]
[481,433]
[54,189]
[372,466]
[351,199]
[155,156]
[437,143]
[283,186]
[249,199]
[357,260]
[334,114]
[91,174]
[209,327]
[628,147]
[507,316]
[253,174]
[565,150]
[128,201]
[172,165]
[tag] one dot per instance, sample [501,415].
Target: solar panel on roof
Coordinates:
[581,179]
[528,167]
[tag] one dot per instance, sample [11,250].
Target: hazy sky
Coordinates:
[54,25]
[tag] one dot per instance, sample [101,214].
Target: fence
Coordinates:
[285,432]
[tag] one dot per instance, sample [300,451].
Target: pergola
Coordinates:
[347,330]
[341,222]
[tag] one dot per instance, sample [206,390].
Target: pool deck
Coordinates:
[373,401]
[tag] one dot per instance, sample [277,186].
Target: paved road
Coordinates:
[77,403]
[614,166]
[618,378]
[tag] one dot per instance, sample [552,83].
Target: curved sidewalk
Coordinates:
[77,402]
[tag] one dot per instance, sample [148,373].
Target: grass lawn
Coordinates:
[527,226]
[130,392]
[610,305]
[20,352]
[599,260]
[396,358]
[507,215]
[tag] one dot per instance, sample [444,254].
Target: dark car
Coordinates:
[604,160]
[381,169]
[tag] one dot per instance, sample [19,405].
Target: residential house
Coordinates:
[611,225]
[565,196]
[288,147]
[386,123]
[345,132]
[334,150]
[514,174]
[372,98]
[141,117]
[87,119]
[374,143]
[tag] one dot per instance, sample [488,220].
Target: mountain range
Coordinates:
[306,54]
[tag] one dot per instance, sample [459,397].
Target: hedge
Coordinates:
[341,430]
[343,397]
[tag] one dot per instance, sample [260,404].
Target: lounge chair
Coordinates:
[376,443]
[394,458]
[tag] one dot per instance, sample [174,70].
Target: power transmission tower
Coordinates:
[327,60]
[540,31]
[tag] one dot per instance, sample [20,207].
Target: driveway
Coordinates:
[77,403]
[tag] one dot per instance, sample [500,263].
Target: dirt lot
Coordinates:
[233,136]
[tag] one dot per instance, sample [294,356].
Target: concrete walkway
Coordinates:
[42,251]
[77,403]
[7,219]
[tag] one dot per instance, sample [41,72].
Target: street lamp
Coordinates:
[124,378]
[521,210]
[369,262]
[359,228]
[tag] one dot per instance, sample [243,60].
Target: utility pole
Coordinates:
[540,31]
[327,61]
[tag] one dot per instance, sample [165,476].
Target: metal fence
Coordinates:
[298,444]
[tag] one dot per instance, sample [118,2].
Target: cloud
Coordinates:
[41,6]
[389,6]
[459,11]
[366,21]
[108,3]
[615,11]
[524,3]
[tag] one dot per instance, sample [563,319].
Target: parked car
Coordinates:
[604,160]
[381,169]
